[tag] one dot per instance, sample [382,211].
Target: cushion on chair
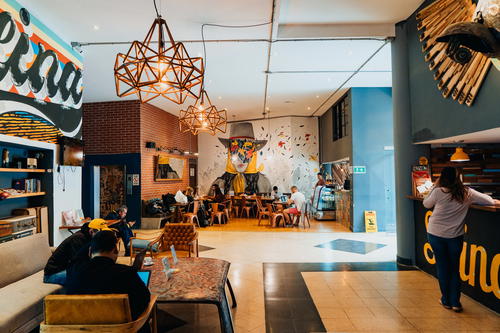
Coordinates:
[143,244]
[22,301]
[180,234]
[97,309]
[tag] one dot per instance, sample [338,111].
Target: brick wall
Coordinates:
[162,128]
[111,127]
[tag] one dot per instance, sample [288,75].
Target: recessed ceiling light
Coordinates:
[267,108]
[349,52]
[96,27]
[309,108]
[220,97]
[329,79]
[317,96]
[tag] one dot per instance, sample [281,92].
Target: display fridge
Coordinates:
[324,203]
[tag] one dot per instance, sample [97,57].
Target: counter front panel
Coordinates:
[480,258]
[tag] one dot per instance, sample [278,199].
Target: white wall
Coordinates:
[70,197]
[290,156]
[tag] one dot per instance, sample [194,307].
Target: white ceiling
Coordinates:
[235,76]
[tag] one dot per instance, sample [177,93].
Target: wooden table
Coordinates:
[199,280]
[177,217]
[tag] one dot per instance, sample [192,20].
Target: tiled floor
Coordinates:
[244,244]
[401,301]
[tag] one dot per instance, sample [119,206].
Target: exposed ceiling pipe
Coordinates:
[249,40]
[272,33]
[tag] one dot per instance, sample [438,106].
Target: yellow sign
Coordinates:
[370,221]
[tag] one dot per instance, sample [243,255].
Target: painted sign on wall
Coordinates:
[40,79]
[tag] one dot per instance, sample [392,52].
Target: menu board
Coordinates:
[421,180]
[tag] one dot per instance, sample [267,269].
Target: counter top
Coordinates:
[495,209]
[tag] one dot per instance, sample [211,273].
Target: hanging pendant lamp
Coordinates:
[203,116]
[158,66]
[459,155]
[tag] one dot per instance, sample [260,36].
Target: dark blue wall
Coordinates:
[372,128]
[435,117]
[132,164]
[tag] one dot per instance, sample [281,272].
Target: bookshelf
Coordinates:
[23,170]
[26,195]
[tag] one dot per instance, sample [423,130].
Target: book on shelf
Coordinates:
[30,185]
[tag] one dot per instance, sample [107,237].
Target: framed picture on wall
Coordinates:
[169,168]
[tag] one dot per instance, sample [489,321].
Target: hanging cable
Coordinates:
[221,26]
[156,9]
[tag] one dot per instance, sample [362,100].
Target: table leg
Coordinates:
[226,320]
[233,298]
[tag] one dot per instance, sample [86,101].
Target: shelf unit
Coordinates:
[26,195]
[23,170]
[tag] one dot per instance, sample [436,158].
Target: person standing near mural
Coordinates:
[451,201]
[241,174]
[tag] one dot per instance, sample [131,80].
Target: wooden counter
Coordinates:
[495,209]
[479,261]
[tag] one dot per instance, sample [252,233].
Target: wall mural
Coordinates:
[286,155]
[40,79]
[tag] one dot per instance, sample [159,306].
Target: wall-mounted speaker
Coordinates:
[150,144]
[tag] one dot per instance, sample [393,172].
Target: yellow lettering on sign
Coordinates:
[469,276]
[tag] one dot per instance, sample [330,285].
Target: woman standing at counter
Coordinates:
[445,232]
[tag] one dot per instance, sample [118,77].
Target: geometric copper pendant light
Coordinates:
[158,67]
[202,116]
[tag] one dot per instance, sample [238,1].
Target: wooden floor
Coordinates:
[251,224]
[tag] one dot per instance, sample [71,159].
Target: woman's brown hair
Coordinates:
[450,179]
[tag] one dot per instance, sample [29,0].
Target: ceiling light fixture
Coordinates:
[202,116]
[459,155]
[164,70]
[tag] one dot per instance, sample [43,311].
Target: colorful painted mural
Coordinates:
[290,156]
[40,79]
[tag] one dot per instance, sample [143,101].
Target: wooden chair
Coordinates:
[275,216]
[227,210]
[216,213]
[303,216]
[94,313]
[191,217]
[262,211]
[181,236]
[235,209]
[245,208]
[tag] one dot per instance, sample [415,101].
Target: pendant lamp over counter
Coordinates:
[459,155]
[203,116]
[158,66]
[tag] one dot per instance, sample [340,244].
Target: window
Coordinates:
[340,114]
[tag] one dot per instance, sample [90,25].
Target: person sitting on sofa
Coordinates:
[123,227]
[102,275]
[55,269]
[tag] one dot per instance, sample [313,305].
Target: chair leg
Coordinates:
[154,323]
[233,298]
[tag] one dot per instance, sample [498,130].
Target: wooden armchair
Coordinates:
[94,313]
[181,236]
[216,213]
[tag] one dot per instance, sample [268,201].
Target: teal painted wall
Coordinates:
[372,128]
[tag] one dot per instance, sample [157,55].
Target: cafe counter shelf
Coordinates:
[495,209]
[480,259]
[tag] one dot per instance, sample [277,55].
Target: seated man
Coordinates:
[102,275]
[123,227]
[55,269]
[299,200]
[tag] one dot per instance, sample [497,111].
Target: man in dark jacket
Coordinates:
[102,275]
[55,269]
[123,227]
